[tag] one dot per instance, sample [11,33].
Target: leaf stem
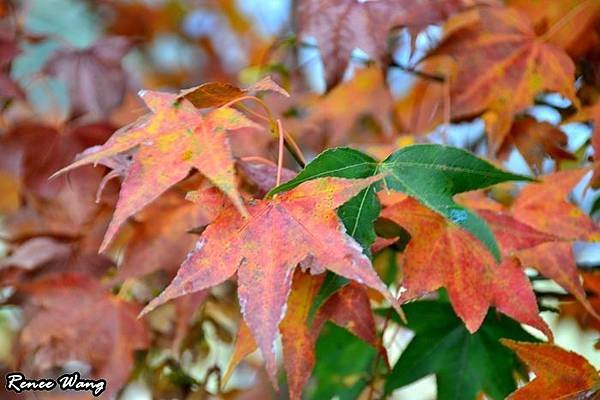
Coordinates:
[280,153]
[289,142]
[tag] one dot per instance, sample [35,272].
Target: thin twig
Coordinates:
[420,74]
[289,142]
[378,357]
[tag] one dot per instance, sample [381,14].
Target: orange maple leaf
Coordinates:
[567,24]
[583,316]
[172,140]
[535,140]
[299,226]
[153,246]
[544,206]
[441,254]
[560,374]
[501,66]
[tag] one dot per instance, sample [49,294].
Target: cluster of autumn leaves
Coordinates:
[306,248]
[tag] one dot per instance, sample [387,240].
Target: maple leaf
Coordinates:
[536,140]
[578,311]
[299,226]
[172,140]
[545,247]
[431,173]
[102,330]
[566,24]
[441,254]
[558,373]
[340,26]
[218,94]
[95,77]
[501,66]
[537,201]
[164,245]
[349,308]
[465,364]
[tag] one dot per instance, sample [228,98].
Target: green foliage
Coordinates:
[465,364]
[343,367]
[434,173]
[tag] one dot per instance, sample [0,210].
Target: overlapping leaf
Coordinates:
[537,140]
[568,223]
[501,66]
[299,226]
[348,308]
[560,374]
[217,94]
[433,174]
[441,254]
[340,26]
[172,140]
[538,201]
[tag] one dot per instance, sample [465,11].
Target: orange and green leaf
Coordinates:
[441,254]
